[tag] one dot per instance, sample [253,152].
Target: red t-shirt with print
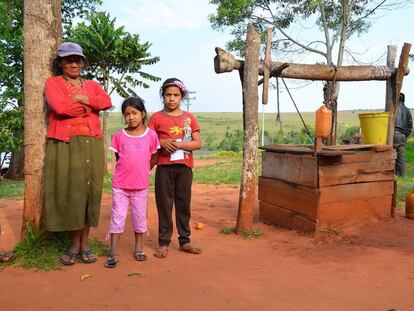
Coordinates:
[174,127]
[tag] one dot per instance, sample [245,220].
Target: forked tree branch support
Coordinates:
[226,62]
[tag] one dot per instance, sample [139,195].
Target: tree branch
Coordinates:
[118,82]
[371,11]
[329,46]
[307,48]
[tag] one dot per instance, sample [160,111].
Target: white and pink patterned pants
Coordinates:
[121,200]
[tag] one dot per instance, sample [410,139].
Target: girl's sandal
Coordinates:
[87,256]
[140,256]
[68,258]
[111,262]
[161,252]
[188,248]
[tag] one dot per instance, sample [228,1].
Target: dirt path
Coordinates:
[367,268]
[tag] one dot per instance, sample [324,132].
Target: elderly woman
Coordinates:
[74,165]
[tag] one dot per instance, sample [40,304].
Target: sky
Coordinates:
[183,38]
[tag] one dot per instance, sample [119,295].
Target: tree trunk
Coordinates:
[42,34]
[247,198]
[15,171]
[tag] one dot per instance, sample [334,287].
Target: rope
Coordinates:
[329,100]
[278,117]
[293,101]
[328,91]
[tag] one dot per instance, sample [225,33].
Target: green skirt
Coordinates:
[73,183]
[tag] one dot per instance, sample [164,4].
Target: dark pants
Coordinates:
[399,145]
[173,185]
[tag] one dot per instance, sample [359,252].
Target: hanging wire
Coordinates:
[278,116]
[300,115]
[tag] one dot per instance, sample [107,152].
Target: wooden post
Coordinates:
[247,198]
[317,146]
[402,68]
[391,54]
[42,33]
[266,68]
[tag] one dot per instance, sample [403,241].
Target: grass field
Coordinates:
[229,169]
[215,124]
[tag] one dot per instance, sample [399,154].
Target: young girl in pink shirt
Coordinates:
[135,148]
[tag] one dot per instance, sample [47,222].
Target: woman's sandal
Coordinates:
[140,256]
[188,248]
[6,257]
[111,262]
[161,252]
[88,256]
[68,258]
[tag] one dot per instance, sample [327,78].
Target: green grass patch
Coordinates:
[107,185]
[227,230]
[405,184]
[11,188]
[98,247]
[40,250]
[248,234]
[227,154]
[252,234]
[226,172]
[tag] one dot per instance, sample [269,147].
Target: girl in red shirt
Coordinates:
[179,134]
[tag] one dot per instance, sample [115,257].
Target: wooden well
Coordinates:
[339,186]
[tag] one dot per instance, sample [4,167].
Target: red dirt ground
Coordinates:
[370,267]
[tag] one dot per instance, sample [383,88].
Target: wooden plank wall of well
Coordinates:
[355,188]
[308,193]
[288,190]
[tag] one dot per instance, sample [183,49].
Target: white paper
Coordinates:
[178,154]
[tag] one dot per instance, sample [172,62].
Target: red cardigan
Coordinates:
[64,111]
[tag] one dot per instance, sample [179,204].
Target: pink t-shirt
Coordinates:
[132,169]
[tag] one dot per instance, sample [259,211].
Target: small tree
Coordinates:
[336,20]
[41,40]
[115,56]
[11,73]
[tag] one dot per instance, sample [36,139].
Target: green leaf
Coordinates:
[116,57]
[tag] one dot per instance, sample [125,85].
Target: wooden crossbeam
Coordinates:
[226,62]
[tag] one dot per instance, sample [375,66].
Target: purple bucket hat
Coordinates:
[70,48]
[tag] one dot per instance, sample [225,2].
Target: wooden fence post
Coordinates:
[391,54]
[402,68]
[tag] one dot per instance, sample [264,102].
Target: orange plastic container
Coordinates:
[323,122]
